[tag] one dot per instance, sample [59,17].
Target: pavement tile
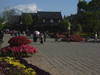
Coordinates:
[62,58]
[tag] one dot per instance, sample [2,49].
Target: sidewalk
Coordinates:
[62,58]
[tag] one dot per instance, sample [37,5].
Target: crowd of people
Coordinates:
[41,36]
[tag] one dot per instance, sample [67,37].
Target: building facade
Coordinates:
[42,20]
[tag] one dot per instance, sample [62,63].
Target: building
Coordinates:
[41,20]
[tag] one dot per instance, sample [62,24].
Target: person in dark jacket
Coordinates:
[41,38]
[44,36]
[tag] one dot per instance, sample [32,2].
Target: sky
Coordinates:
[66,7]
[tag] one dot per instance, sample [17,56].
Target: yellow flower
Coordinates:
[0,59]
[34,73]
[17,63]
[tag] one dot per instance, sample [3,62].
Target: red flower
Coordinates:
[74,37]
[19,40]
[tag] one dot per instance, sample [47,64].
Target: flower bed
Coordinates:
[18,47]
[18,66]
[73,37]
[53,35]
[19,40]
[18,51]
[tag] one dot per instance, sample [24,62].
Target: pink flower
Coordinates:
[19,49]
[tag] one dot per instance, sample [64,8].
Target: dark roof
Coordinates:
[34,15]
[43,14]
[15,18]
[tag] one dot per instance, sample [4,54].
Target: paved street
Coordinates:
[62,58]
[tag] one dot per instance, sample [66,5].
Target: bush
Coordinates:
[19,66]
[73,37]
[18,47]
[53,35]
[38,70]
[18,51]
[19,40]
[11,66]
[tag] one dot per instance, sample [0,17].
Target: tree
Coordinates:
[88,15]
[2,19]
[76,27]
[1,23]
[64,24]
[8,13]
[82,6]
[94,5]
[27,20]
[92,21]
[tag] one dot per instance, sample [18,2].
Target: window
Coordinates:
[43,20]
[51,20]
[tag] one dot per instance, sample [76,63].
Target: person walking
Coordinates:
[34,37]
[68,36]
[44,36]
[96,38]
[57,37]
[19,33]
[12,32]
[1,36]
[41,38]
[23,33]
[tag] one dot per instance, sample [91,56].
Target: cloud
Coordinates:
[29,8]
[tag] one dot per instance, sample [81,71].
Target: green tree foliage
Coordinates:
[7,13]
[82,6]
[88,15]
[76,28]
[27,20]
[7,26]
[94,5]
[64,24]
[1,25]
[92,21]
[2,19]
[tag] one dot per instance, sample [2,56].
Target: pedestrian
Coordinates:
[1,36]
[57,37]
[23,33]
[19,33]
[68,36]
[47,33]
[45,36]
[12,32]
[34,37]
[96,38]
[41,38]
